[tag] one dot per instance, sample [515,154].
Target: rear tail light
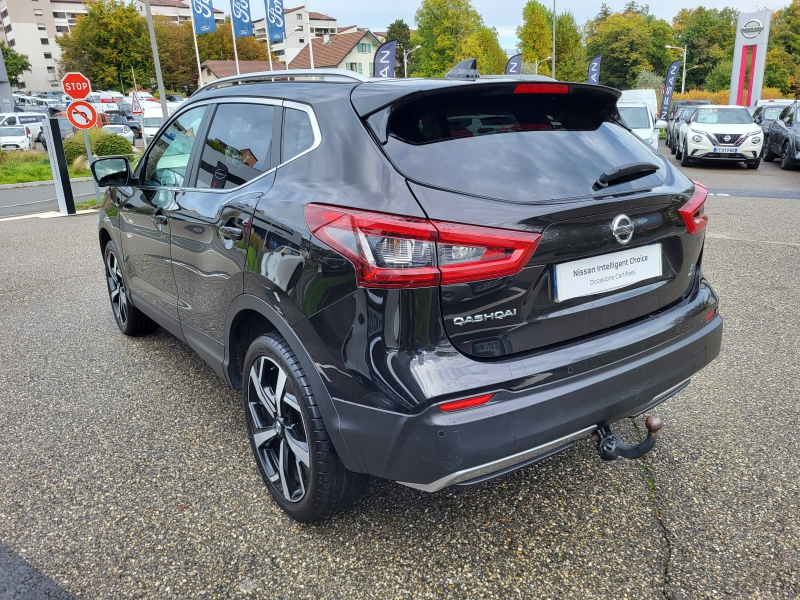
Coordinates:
[693,212]
[465,403]
[542,88]
[391,251]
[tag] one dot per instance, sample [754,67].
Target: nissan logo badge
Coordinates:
[727,138]
[752,28]
[622,228]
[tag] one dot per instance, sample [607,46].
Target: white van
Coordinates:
[31,120]
[152,120]
[639,117]
[649,97]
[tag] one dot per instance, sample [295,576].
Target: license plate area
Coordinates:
[726,150]
[607,272]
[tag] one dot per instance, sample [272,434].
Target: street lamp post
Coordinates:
[538,62]
[683,79]
[406,54]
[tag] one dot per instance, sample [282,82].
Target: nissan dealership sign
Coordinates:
[751,29]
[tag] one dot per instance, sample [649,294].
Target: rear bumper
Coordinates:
[433,449]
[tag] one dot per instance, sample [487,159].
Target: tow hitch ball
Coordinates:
[610,447]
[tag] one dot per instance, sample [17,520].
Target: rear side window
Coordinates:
[298,135]
[516,147]
[238,146]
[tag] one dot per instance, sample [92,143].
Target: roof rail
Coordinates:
[294,74]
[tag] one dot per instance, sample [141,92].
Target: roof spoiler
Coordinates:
[369,99]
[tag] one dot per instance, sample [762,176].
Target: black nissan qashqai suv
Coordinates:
[431,281]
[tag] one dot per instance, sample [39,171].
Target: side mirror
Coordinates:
[111,170]
[661,124]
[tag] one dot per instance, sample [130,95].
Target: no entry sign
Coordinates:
[76,86]
[81,114]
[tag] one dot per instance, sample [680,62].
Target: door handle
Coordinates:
[160,221]
[231,233]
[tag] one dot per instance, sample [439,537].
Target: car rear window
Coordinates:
[635,117]
[516,147]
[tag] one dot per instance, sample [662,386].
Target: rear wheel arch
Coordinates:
[248,318]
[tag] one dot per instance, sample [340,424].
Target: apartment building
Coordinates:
[296,35]
[32,26]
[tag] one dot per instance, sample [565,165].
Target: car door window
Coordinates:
[238,147]
[298,135]
[169,155]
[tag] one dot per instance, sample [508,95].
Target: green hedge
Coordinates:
[112,144]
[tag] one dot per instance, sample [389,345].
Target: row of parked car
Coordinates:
[698,130]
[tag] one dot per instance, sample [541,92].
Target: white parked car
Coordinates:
[122,130]
[639,117]
[721,133]
[14,138]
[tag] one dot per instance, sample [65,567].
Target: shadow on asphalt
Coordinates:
[20,581]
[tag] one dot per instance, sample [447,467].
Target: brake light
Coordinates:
[466,403]
[390,251]
[542,88]
[693,212]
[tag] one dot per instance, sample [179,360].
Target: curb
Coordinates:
[8,186]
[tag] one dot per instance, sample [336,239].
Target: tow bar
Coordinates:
[610,447]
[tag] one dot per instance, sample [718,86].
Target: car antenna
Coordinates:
[466,69]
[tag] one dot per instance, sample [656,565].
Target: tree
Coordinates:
[400,31]
[106,42]
[571,62]
[720,77]
[442,27]
[175,44]
[536,35]
[219,45]
[483,46]
[708,35]
[630,43]
[647,80]
[783,58]
[16,64]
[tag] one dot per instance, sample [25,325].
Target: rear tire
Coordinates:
[292,448]
[785,164]
[130,320]
[684,157]
[767,154]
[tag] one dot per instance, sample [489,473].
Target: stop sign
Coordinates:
[76,86]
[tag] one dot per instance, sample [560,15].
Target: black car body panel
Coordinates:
[784,132]
[218,265]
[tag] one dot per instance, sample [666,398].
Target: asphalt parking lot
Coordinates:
[126,471]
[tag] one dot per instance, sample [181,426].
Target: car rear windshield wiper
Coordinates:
[624,173]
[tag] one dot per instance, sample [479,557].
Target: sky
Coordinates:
[504,15]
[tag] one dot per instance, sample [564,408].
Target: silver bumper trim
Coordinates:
[499,464]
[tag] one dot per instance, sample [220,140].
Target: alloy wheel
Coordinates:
[278,429]
[116,289]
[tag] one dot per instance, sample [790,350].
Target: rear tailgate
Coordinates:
[526,157]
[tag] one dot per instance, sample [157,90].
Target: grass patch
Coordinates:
[30,165]
[87,204]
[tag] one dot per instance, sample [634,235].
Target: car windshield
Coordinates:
[113,128]
[64,125]
[11,131]
[723,116]
[153,121]
[772,113]
[635,117]
[688,112]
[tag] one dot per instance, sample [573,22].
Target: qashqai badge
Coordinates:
[622,228]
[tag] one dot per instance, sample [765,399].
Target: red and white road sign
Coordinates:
[136,106]
[76,85]
[81,114]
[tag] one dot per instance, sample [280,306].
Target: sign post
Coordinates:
[81,114]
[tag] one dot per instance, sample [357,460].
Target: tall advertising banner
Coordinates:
[669,87]
[752,35]
[514,65]
[240,16]
[203,15]
[275,23]
[385,57]
[594,71]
